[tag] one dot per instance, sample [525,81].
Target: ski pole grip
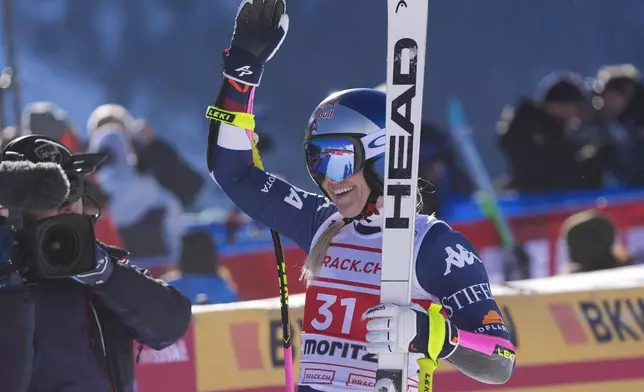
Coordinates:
[435,344]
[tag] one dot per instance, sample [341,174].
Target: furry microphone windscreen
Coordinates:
[29,186]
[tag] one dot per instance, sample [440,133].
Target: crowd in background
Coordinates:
[577,133]
[574,133]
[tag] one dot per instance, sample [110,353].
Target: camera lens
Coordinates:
[59,246]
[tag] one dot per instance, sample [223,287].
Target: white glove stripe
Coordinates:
[284,23]
[240,81]
[379,337]
[238,11]
[379,324]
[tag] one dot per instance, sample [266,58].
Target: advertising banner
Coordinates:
[582,332]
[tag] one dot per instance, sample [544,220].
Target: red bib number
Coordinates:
[336,312]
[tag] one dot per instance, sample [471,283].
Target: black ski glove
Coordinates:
[260,28]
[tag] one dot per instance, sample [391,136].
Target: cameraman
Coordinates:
[74,333]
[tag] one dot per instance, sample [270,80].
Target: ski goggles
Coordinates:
[340,156]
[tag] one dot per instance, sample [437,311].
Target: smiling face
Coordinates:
[349,195]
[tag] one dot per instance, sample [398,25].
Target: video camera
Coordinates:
[38,175]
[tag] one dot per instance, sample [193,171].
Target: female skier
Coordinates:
[344,326]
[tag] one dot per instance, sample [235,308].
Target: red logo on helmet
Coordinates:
[321,113]
[326,109]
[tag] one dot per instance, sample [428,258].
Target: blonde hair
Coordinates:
[313,261]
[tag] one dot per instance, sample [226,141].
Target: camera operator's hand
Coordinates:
[101,271]
[260,28]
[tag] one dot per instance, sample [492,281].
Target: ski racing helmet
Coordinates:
[345,134]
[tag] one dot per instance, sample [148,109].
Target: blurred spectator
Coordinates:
[46,118]
[619,102]
[438,166]
[158,158]
[234,222]
[593,243]
[198,278]
[540,138]
[148,216]
[8,134]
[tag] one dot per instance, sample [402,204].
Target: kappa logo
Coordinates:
[458,259]
[48,152]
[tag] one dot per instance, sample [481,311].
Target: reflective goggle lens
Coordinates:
[335,158]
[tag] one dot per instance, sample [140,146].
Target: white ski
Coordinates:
[406,44]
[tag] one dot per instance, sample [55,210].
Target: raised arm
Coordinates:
[276,203]
[259,30]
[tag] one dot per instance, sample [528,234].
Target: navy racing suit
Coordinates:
[447,265]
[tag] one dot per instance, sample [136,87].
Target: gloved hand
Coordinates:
[260,29]
[9,276]
[399,329]
[101,271]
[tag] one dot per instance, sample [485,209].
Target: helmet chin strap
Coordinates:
[368,210]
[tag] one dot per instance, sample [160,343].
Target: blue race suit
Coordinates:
[459,280]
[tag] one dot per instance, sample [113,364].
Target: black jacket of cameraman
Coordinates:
[62,335]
